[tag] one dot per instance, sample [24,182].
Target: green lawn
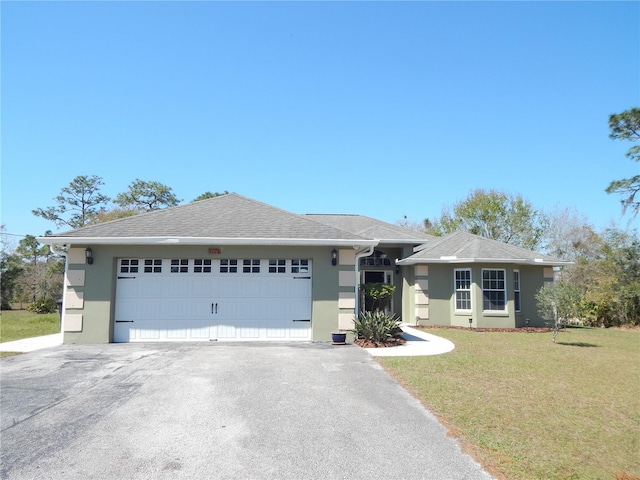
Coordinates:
[17,324]
[527,408]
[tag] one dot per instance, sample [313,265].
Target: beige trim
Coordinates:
[422,270]
[421,293]
[73,322]
[74,299]
[422,313]
[347,278]
[422,298]
[74,278]
[76,256]
[347,300]
[347,257]
[345,321]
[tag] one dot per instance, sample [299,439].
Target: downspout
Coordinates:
[62,253]
[362,253]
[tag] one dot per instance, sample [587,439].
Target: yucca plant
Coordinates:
[377,326]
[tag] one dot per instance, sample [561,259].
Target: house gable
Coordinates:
[227,219]
[463,247]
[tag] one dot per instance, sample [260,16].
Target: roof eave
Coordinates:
[515,261]
[337,242]
[404,241]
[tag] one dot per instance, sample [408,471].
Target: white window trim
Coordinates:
[490,312]
[456,290]
[518,290]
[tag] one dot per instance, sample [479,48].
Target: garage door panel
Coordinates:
[300,331]
[225,332]
[200,331]
[248,332]
[201,305]
[230,287]
[177,333]
[178,288]
[201,287]
[276,333]
[149,334]
[198,309]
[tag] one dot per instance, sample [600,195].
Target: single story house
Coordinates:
[233,268]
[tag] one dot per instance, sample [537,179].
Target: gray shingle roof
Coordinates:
[371,228]
[230,216]
[463,247]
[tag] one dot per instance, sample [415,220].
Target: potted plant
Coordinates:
[338,338]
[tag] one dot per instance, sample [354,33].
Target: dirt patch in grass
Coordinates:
[625,476]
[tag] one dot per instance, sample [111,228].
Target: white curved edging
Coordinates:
[419,343]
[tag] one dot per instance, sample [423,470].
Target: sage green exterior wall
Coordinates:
[100,283]
[441,293]
[532,279]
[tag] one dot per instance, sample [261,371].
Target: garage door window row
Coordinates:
[206,265]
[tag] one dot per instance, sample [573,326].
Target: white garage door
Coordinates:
[186,299]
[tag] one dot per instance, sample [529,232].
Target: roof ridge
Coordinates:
[304,215]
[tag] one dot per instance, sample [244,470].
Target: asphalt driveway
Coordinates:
[223,411]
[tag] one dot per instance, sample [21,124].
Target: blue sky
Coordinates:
[385,109]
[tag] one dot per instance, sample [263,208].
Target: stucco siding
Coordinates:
[98,291]
[439,287]
[432,296]
[532,280]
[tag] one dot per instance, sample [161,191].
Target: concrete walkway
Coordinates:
[419,343]
[32,344]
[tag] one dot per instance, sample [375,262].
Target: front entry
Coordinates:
[369,277]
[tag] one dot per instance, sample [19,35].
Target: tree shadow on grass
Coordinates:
[578,344]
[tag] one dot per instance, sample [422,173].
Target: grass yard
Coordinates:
[527,408]
[17,324]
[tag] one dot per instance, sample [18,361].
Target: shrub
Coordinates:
[43,306]
[376,326]
[377,295]
[559,303]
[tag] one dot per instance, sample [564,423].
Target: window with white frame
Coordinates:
[277,265]
[251,265]
[202,265]
[129,265]
[516,290]
[494,290]
[179,265]
[463,288]
[229,265]
[299,265]
[152,265]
